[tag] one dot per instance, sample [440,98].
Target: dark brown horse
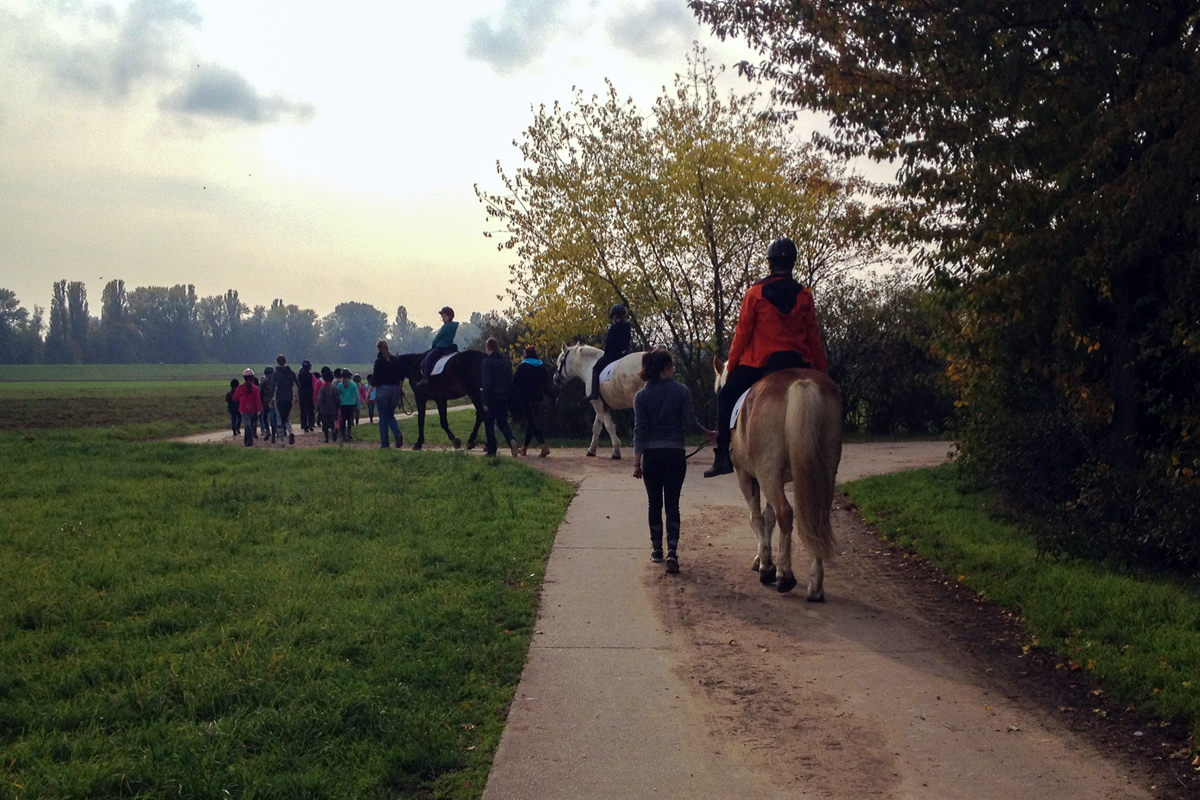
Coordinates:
[460,378]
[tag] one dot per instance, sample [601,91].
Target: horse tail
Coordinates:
[814,443]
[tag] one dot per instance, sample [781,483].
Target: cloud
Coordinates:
[223,93]
[94,49]
[526,29]
[660,29]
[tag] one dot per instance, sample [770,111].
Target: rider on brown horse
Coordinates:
[776,329]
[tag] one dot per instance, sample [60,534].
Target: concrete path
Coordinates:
[600,711]
[856,698]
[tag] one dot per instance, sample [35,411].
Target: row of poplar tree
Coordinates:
[173,325]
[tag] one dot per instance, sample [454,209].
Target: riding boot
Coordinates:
[722,465]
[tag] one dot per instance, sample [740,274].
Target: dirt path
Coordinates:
[894,688]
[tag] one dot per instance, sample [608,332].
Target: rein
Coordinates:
[703,445]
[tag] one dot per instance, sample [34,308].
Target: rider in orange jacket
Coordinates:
[776,329]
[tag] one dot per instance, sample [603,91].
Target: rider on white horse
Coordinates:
[617,343]
[776,329]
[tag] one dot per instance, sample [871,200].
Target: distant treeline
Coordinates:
[173,325]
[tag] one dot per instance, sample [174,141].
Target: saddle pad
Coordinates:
[440,365]
[607,373]
[737,409]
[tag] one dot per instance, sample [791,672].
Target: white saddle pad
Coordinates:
[607,373]
[737,409]
[440,364]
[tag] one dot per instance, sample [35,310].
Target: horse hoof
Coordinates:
[457,444]
[787,583]
[767,576]
[816,598]
[616,456]
[471,445]
[591,455]
[417,446]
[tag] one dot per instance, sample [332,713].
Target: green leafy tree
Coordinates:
[350,332]
[1047,175]
[20,333]
[670,214]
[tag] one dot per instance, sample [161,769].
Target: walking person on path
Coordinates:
[235,415]
[370,398]
[776,329]
[306,395]
[389,374]
[662,413]
[328,403]
[286,384]
[249,403]
[268,403]
[350,401]
[530,382]
[496,375]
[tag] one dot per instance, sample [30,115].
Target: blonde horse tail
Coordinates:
[814,442]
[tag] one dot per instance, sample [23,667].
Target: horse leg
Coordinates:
[419,402]
[597,424]
[773,489]
[611,426]
[473,439]
[441,407]
[762,558]
[816,582]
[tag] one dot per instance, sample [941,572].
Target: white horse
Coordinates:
[789,430]
[577,361]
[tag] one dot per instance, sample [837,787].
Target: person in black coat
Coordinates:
[530,382]
[496,376]
[617,343]
[305,396]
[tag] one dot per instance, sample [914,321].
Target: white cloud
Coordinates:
[120,55]
[526,29]
[661,29]
[222,93]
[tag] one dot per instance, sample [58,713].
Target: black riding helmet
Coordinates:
[782,252]
[617,311]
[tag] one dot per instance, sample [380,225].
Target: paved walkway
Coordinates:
[871,700]
[600,711]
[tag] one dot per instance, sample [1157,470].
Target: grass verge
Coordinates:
[1139,636]
[212,622]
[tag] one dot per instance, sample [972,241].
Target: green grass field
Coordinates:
[1139,637]
[214,622]
[57,373]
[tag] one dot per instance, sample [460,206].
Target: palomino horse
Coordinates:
[789,429]
[460,378]
[577,361]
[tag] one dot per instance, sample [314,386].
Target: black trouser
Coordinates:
[496,416]
[235,419]
[328,425]
[532,431]
[432,357]
[604,361]
[663,471]
[347,421]
[740,379]
[308,420]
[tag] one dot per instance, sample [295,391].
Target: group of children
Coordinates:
[332,398]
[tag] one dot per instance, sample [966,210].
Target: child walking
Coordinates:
[249,401]
[327,405]
[235,415]
[348,393]
[662,412]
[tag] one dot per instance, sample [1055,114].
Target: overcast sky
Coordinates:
[315,152]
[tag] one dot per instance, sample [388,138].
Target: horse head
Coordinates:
[561,375]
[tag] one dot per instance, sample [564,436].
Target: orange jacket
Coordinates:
[777,315]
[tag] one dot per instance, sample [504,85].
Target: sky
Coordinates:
[318,153]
